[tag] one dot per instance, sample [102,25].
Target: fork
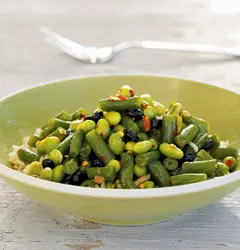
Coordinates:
[104,54]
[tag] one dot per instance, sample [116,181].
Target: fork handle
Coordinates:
[193,48]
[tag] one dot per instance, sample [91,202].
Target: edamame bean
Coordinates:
[47,174]
[126,91]
[113,118]
[171,151]
[149,184]
[103,128]
[150,112]
[114,164]
[230,162]
[56,156]
[71,166]
[159,108]
[142,147]
[129,146]
[87,126]
[35,168]
[116,144]
[147,98]
[58,173]
[47,145]
[118,128]
[139,171]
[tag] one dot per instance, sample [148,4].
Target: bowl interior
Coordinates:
[21,113]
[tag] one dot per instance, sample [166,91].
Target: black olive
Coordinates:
[130,135]
[88,117]
[97,163]
[97,116]
[136,114]
[189,157]
[208,144]
[156,122]
[47,163]
[67,179]
[69,132]
[77,178]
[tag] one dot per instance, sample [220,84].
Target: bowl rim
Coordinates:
[9,173]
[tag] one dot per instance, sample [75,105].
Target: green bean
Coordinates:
[207,167]
[200,123]
[33,140]
[230,162]
[179,124]
[170,164]
[126,172]
[35,168]
[154,144]
[204,156]
[45,132]
[114,164]
[109,174]
[109,185]
[85,151]
[222,169]
[150,112]
[58,173]
[47,145]
[118,128]
[64,146]
[156,135]
[169,128]
[47,174]
[215,141]
[129,184]
[141,127]
[65,116]
[184,125]
[186,136]
[61,133]
[183,179]
[103,128]
[128,123]
[129,146]
[197,159]
[139,171]
[113,118]
[142,137]
[76,143]
[79,114]
[56,156]
[87,126]
[142,147]
[126,91]
[159,108]
[55,123]
[99,146]
[199,141]
[176,171]
[171,151]
[149,184]
[147,98]
[159,173]
[74,124]
[144,159]
[223,152]
[88,183]
[27,155]
[176,109]
[120,105]
[116,144]
[71,166]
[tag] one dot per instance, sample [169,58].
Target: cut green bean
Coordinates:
[109,185]
[79,114]
[61,133]
[199,141]
[223,152]
[109,174]
[176,109]
[183,179]
[186,136]
[55,123]
[204,156]
[126,172]
[159,108]
[176,171]
[141,127]
[85,151]
[202,125]
[159,173]
[207,167]
[156,135]
[169,128]
[64,115]
[170,164]
[88,183]
[222,169]
[144,159]
[33,140]
[27,155]
[99,146]
[128,123]
[76,143]
[129,184]
[74,124]
[215,141]
[64,146]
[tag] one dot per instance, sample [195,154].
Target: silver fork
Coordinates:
[105,54]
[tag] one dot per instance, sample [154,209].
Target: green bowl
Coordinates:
[21,113]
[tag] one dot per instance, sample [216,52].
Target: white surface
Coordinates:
[26,60]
